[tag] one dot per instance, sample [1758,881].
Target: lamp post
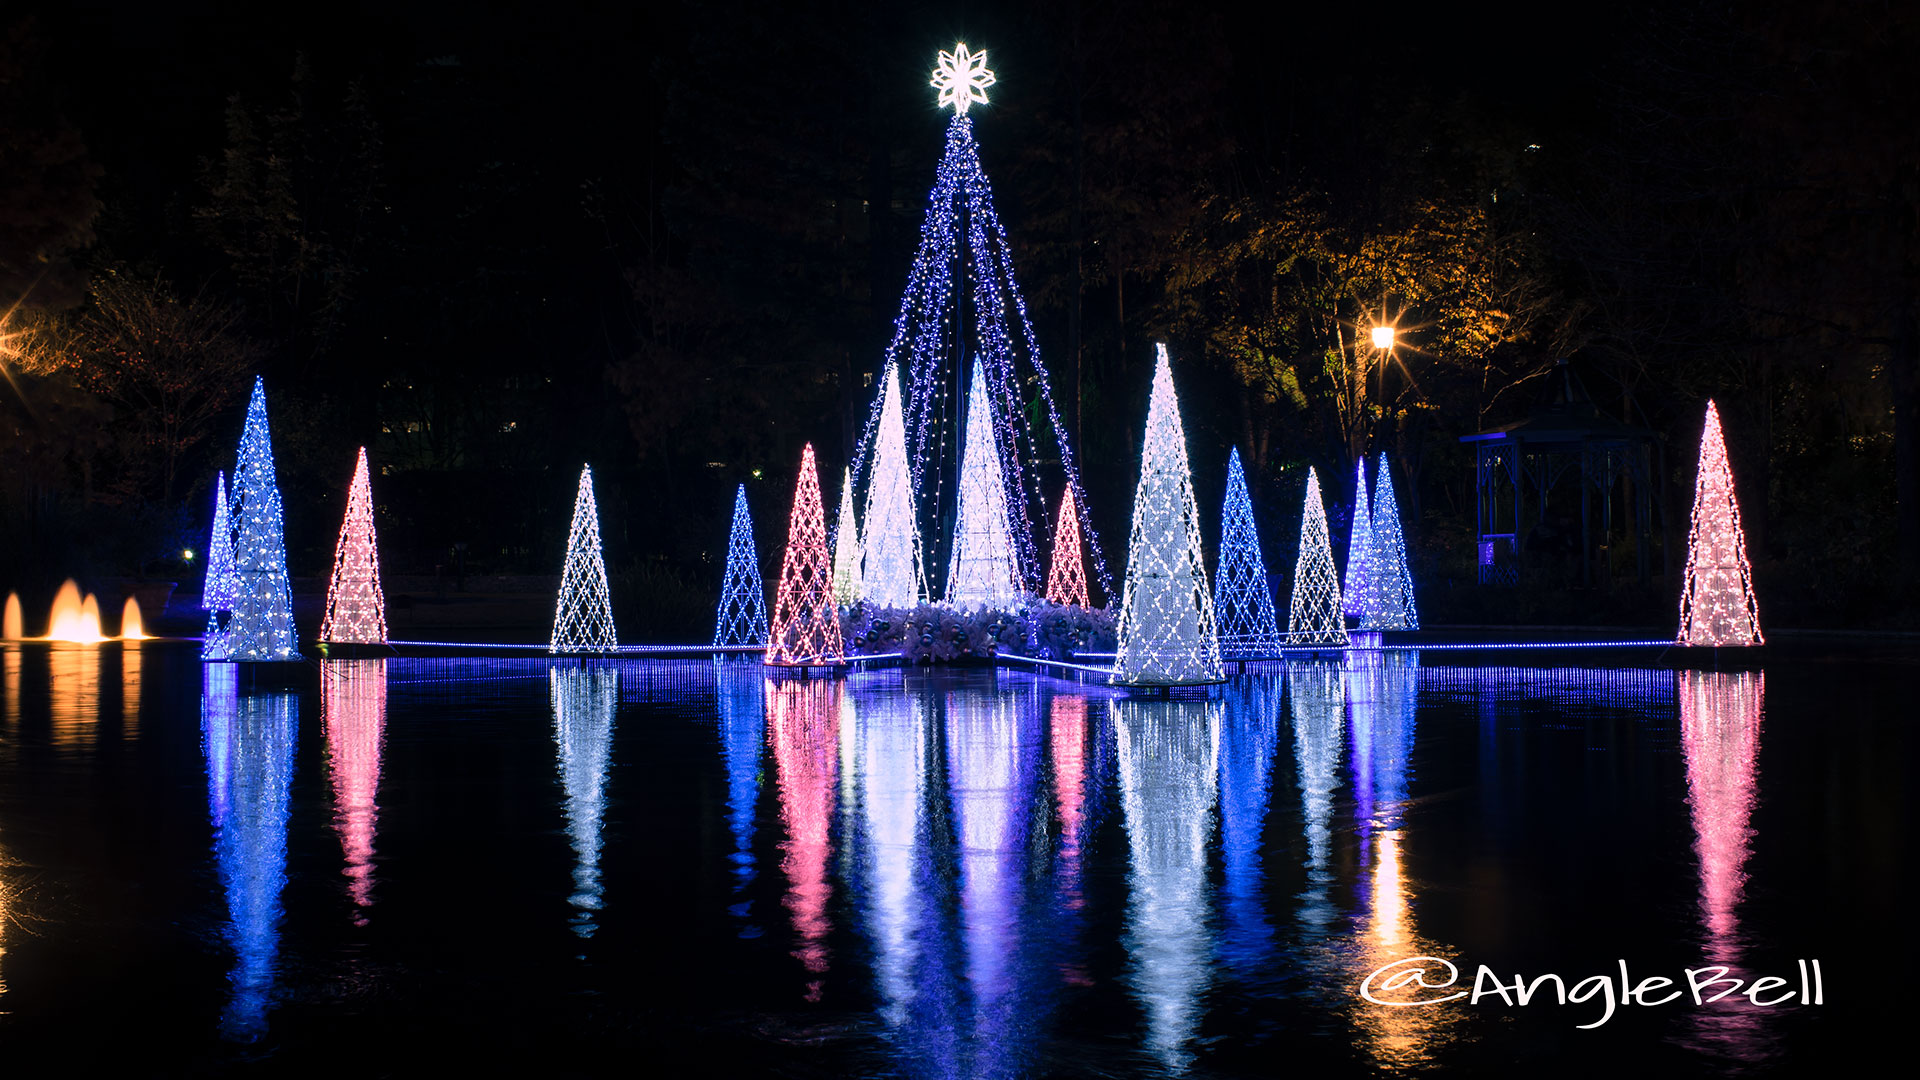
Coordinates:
[1383,336]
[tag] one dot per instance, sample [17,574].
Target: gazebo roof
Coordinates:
[1567,422]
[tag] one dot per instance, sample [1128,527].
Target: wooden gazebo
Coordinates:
[1518,469]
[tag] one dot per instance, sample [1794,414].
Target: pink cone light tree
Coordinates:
[356,610]
[1716,598]
[806,626]
[1067,579]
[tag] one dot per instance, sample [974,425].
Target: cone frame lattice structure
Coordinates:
[1166,628]
[217,593]
[1242,598]
[261,625]
[984,571]
[1314,616]
[1389,600]
[1067,579]
[356,608]
[1353,589]
[1717,605]
[806,625]
[583,612]
[742,616]
[847,586]
[890,574]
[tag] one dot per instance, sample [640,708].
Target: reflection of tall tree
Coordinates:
[993,742]
[249,744]
[353,699]
[584,700]
[1317,695]
[1720,736]
[1070,738]
[1381,688]
[739,693]
[1248,734]
[803,721]
[1168,765]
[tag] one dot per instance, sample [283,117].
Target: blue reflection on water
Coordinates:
[1249,733]
[584,700]
[1316,696]
[740,699]
[249,743]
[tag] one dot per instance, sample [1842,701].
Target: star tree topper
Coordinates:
[962,78]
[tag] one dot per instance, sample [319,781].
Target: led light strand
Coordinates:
[742,617]
[1717,605]
[1242,599]
[806,626]
[1314,616]
[583,612]
[1166,631]
[356,610]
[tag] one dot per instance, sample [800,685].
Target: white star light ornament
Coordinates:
[962,78]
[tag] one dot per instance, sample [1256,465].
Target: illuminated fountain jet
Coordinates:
[1249,732]
[1720,738]
[249,742]
[353,701]
[993,763]
[584,700]
[802,724]
[1169,752]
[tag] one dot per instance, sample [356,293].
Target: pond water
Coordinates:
[383,866]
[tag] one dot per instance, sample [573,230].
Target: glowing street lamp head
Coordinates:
[962,78]
[1383,337]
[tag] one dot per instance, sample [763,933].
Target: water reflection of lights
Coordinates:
[886,778]
[1249,734]
[1169,754]
[993,743]
[353,700]
[249,744]
[1720,737]
[73,683]
[1316,692]
[584,700]
[802,724]
[740,699]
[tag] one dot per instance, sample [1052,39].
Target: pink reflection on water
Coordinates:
[353,701]
[1720,738]
[1068,736]
[803,726]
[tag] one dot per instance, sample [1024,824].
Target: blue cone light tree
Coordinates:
[1359,548]
[1242,599]
[742,619]
[1314,617]
[1389,601]
[260,626]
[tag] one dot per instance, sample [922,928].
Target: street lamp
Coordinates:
[1383,337]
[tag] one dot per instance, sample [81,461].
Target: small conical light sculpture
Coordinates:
[217,593]
[806,626]
[890,547]
[983,573]
[1314,617]
[1716,596]
[846,548]
[1067,580]
[1166,632]
[356,609]
[261,626]
[742,618]
[1359,548]
[583,613]
[1389,599]
[1242,600]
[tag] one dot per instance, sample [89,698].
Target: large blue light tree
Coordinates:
[260,627]
[1242,600]
[742,619]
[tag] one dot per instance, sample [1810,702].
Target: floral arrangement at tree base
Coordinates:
[940,634]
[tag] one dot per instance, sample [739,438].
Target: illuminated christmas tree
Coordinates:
[1314,618]
[1166,632]
[846,548]
[217,593]
[1242,601]
[1716,596]
[806,627]
[962,309]
[261,627]
[983,572]
[1359,547]
[356,610]
[1389,599]
[1067,581]
[743,599]
[583,614]
[890,548]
